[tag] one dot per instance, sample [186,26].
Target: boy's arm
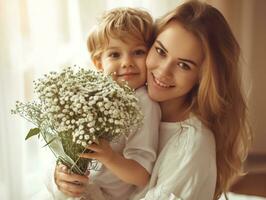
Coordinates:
[128,170]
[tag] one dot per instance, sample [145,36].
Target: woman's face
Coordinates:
[173,63]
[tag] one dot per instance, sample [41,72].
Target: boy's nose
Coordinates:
[127,65]
[127,62]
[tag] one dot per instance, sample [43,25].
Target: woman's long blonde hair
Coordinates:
[217,100]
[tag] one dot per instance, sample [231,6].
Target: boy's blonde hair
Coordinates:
[120,23]
[218,99]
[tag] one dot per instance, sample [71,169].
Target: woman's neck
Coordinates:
[174,110]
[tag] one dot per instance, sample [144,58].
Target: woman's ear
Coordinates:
[97,64]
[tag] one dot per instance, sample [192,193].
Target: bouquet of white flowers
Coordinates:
[77,108]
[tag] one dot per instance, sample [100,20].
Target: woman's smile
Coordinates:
[160,83]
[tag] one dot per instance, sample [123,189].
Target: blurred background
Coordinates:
[37,36]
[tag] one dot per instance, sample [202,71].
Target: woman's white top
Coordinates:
[186,166]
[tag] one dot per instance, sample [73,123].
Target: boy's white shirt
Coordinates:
[141,147]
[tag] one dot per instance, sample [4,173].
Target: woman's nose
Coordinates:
[165,68]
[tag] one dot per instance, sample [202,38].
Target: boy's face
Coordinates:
[126,61]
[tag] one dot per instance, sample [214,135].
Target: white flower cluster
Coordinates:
[75,109]
[88,104]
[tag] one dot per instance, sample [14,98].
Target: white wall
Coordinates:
[248,22]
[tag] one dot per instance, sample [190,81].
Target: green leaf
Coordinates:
[49,142]
[32,132]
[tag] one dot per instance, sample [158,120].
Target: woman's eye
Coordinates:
[114,55]
[184,66]
[160,51]
[139,52]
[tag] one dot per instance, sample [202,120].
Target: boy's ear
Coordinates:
[97,64]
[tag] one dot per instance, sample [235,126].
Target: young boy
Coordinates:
[119,46]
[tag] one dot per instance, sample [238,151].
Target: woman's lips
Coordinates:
[160,83]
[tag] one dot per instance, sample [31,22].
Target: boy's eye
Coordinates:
[114,55]
[139,52]
[160,51]
[184,66]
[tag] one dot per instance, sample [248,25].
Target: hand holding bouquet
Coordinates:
[77,108]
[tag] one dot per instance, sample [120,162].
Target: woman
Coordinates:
[193,73]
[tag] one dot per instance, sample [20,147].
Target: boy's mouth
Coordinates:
[127,75]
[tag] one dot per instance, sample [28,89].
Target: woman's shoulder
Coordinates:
[189,157]
[197,132]
[194,137]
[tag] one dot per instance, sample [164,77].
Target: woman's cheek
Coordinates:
[151,60]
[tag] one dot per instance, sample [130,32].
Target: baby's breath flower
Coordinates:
[80,107]
[100,119]
[87,137]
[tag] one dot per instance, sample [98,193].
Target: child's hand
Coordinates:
[101,152]
[71,184]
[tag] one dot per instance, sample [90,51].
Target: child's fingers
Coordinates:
[71,189]
[73,178]
[70,194]
[94,147]
[62,168]
[87,173]
[89,155]
[62,174]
